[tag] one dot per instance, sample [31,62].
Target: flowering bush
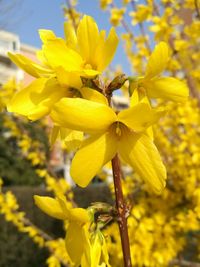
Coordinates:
[154,140]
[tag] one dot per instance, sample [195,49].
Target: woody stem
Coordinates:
[122,211]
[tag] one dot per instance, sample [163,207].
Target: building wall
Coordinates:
[10,42]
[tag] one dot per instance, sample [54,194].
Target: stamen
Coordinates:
[118,130]
[88,66]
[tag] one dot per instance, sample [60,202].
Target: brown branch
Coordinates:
[141,27]
[197,8]
[122,211]
[46,237]
[27,222]
[68,3]
[123,22]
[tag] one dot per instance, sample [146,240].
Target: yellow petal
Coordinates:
[37,113]
[82,115]
[50,93]
[88,73]
[59,55]
[96,252]
[22,103]
[105,53]
[140,152]
[41,58]
[95,152]
[86,257]
[72,139]
[66,78]
[46,35]
[149,132]
[105,253]
[75,242]
[29,66]
[50,206]
[78,215]
[134,98]
[93,95]
[87,36]
[37,99]
[70,35]
[158,60]
[168,88]
[139,117]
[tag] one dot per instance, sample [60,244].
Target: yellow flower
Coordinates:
[6,92]
[94,49]
[71,139]
[85,53]
[154,86]
[124,133]
[116,15]
[77,240]
[37,99]
[104,3]
[142,13]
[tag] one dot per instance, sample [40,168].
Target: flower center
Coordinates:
[87,66]
[118,130]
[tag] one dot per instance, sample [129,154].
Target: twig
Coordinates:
[122,211]
[141,27]
[197,8]
[68,3]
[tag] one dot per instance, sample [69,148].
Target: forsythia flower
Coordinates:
[154,86]
[85,53]
[105,3]
[6,92]
[77,234]
[117,15]
[81,250]
[142,13]
[124,133]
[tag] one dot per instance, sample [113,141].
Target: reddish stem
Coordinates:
[122,211]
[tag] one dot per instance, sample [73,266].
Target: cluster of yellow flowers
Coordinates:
[6,92]
[175,22]
[75,108]
[68,88]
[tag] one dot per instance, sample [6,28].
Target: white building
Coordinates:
[10,42]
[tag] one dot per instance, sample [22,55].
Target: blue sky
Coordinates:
[47,14]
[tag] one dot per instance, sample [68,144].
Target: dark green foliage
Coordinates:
[92,193]
[14,168]
[17,250]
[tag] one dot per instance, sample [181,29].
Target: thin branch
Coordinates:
[122,211]
[124,24]
[141,27]
[197,8]
[68,3]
